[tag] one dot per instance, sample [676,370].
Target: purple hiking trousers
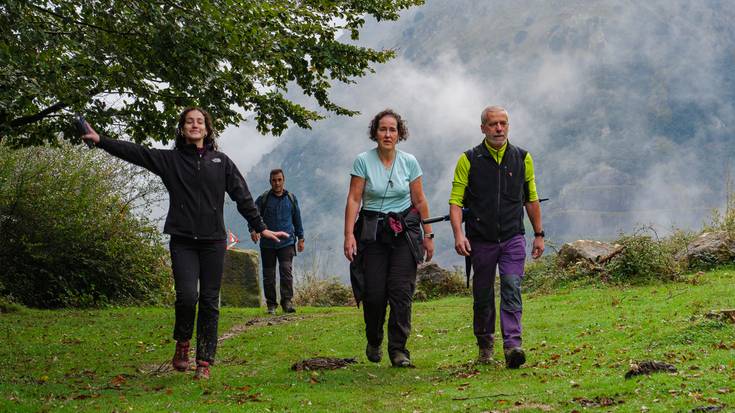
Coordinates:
[509,256]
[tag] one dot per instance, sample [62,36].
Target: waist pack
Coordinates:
[379,227]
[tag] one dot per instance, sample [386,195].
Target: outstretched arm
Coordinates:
[150,159]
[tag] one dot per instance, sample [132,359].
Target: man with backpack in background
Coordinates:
[280,211]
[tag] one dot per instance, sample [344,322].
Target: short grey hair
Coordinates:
[492,109]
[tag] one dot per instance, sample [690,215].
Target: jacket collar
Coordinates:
[191,149]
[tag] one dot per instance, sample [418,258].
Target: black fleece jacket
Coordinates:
[196,187]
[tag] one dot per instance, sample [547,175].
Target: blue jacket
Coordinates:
[280,213]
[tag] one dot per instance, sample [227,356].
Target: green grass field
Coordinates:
[579,344]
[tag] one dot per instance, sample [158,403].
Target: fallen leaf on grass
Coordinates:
[245,398]
[244,388]
[598,401]
[467,374]
[118,380]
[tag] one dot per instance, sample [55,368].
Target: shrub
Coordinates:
[322,292]
[546,274]
[8,306]
[436,282]
[74,230]
[644,259]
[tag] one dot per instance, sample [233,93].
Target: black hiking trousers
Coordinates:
[390,280]
[197,267]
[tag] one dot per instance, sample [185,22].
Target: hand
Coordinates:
[300,245]
[254,236]
[275,236]
[350,247]
[91,135]
[538,247]
[462,245]
[429,248]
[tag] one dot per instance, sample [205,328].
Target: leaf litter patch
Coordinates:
[648,367]
[322,363]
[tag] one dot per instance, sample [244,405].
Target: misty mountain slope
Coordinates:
[628,110]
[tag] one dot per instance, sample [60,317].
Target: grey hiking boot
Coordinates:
[288,307]
[271,310]
[485,355]
[400,359]
[373,353]
[514,357]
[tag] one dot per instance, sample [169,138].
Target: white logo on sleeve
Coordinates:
[216,160]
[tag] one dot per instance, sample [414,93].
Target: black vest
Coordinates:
[495,194]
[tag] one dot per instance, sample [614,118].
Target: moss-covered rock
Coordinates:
[240,286]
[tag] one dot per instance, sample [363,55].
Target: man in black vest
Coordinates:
[495,180]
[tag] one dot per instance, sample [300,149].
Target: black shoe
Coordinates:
[400,360]
[514,357]
[288,307]
[373,353]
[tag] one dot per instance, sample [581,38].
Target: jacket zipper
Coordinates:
[199,194]
[499,191]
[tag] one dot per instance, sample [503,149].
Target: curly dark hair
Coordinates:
[402,128]
[211,133]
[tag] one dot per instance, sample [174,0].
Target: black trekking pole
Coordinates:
[465,211]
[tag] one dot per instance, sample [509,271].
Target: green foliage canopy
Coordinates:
[74,232]
[131,65]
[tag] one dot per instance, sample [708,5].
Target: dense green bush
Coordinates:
[74,230]
[643,259]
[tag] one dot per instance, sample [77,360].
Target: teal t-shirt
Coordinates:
[381,181]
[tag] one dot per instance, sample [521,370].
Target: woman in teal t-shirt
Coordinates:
[388,240]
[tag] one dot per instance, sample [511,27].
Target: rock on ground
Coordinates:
[240,286]
[593,251]
[709,249]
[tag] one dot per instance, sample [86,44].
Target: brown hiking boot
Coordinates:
[485,356]
[181,356]
[202,372]
[514,357]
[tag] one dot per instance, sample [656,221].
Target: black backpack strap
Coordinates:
[263,201]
